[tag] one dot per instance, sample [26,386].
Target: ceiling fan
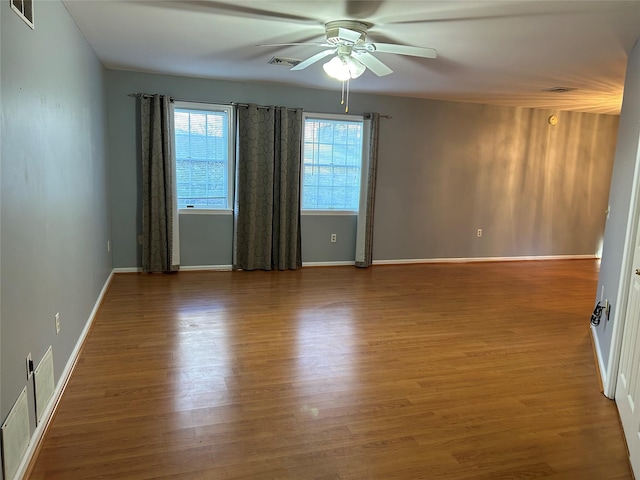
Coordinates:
[352,54]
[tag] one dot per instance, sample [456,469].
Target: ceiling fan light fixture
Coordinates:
[337,68]
[356,68]
[344,67]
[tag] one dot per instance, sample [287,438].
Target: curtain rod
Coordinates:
[261,106]
[144,95]
[237,104]
[148,95]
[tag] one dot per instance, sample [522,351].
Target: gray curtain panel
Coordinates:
[157,184]
[364,247]
[267,211]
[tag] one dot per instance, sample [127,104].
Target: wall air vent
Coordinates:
[559,89]
[44,383]
[285,62]
[16,434]
[24,9]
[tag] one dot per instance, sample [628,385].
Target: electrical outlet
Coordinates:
[57,317]
[479,232]
[108,246]
[333,238]
[29,366]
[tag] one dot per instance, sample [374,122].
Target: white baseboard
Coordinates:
[228,268]
[184,268]
[199,268]
[328,264]
[602,369]
[403,261]
[62,383]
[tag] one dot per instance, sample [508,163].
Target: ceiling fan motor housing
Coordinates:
[333,31]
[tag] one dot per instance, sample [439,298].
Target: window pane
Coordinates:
[332,162]
[202,146]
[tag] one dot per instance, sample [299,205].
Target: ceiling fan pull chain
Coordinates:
[342,97]
[346,109]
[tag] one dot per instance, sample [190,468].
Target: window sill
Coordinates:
[204,211]
[330,212]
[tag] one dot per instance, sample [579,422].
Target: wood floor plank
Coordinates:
[439,372]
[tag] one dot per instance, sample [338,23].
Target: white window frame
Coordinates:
[230,111]
[334,116]
[18,6]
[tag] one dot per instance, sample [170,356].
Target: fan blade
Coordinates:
[232,10]
[348,35]
[362,8]
[316,44]
[403,50]
[311,60]
[373,64]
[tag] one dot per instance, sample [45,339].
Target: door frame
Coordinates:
[624,283]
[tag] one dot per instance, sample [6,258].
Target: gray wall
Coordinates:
[197,235]
[619,200]
[54,197]
[445,170]
[205,240]
[316,238]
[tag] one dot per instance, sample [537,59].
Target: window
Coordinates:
[24,9]
[204,156]
[332,159]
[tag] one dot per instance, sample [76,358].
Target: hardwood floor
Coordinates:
[444,371]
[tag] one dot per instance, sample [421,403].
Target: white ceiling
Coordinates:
[498,52]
